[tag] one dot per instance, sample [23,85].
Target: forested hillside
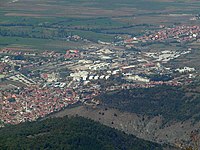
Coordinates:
[173,103]
[69,133]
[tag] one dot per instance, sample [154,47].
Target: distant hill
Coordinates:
[74,133]
[172,103]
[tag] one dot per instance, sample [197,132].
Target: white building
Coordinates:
[77,76]
[137,78]
[185,69]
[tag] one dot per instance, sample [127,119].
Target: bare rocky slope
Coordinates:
[148,128]
[162,114]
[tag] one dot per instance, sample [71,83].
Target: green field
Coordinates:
[33,23]
[34,43]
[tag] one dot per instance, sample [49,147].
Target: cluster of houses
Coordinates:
[48,81]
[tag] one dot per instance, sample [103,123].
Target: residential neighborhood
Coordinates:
[36,84]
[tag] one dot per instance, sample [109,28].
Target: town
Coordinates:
[35,83]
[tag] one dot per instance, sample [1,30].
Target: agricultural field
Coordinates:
[33,23]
